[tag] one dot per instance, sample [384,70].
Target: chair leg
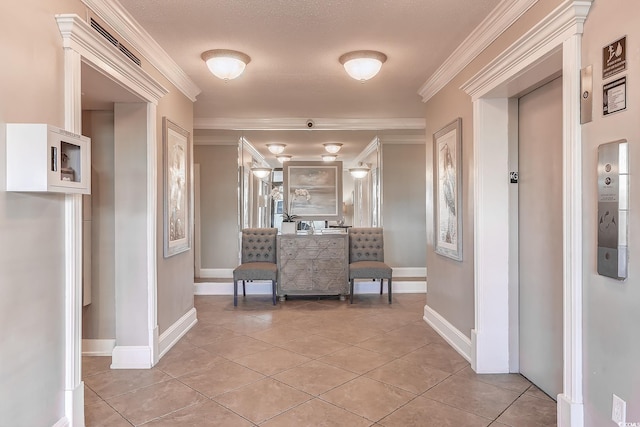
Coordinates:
[381,285]
[244,291]
[235,293]
[351,291]
[273,290]
[389,286]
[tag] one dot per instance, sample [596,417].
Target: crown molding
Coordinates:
[500,18]
[112,12]
[368,150]
[228,123]
[564,21]
[255,154]
[214,140]
[399,139]
[80,37]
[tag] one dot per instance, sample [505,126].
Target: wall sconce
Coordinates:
[360,171]
[276,148]
[329,157]
[283,158]
[363,64]
[332,147]
[226,64]
[260,172]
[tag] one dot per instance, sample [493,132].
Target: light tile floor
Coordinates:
[311,362]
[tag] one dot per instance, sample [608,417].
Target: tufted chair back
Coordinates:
[259,245]
[366,244]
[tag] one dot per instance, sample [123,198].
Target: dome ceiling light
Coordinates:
[260,172]
[226,64]
[360,171]
[276,148]
[329,157]
[363,64]
[332,147]
[283,158]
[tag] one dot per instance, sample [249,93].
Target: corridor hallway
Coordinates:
[309,362]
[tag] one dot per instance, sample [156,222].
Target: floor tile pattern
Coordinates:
[310,362]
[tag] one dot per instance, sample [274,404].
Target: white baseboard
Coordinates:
[453,336]
[570,414]
[131,357]
[176,331]
[62,422]
[264,287]
[216,273]
[98,347]
[227,273]
[74,407]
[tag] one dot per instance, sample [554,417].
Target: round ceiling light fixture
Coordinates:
[332,147]
[260,172]
[329,157]
[283,158]
[276,148]
[226,64]
[363,64]
[360,171]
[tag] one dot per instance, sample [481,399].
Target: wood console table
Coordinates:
[313,264]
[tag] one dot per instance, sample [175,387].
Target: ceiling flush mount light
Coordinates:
[226,64]
[329,157]
[359,172]
[283,158]
[363,64]
[260,172]
[276,148]
[332,147]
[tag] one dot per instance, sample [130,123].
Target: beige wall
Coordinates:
[218,205]
[611,308]
[32,295]
[451,287]
[31,225]
[404,204]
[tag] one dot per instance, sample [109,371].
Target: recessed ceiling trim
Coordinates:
[300,124]
[501,17]
[124,24]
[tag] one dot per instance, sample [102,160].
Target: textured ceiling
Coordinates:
[295,45]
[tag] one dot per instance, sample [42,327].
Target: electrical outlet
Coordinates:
[619,411]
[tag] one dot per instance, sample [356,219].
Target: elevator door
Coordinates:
[540,236]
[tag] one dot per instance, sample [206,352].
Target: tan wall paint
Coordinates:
[32,266]
[404,204]
[451,283]
[218,205]
[611,308]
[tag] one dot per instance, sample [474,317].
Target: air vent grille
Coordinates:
[114,41]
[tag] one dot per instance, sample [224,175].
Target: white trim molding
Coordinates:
[131,357]
[172,335]
[296,123]
[124,24]
[501,17]
[98,347]
[62,422]
[216,273]
[530,59]
[459,341]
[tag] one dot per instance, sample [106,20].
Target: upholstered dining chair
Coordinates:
[366,258]
[258,260]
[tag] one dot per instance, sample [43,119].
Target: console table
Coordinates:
[313,264]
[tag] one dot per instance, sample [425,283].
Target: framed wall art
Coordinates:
[177,188]
[447,162]
[313,190]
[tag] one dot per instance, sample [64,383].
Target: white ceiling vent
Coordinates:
[114,41]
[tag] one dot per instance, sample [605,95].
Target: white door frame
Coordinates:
[82,44]
[531,60]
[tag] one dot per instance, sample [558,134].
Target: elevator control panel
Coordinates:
[613,208]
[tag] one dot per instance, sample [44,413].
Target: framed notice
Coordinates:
[614,96]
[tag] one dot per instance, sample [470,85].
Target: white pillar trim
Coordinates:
[81,44]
